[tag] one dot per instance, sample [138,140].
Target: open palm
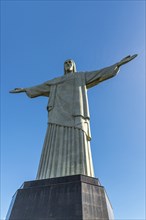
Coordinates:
[126,59]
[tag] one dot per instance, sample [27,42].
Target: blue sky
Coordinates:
[37,36]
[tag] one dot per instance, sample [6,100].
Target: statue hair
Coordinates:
[74,66]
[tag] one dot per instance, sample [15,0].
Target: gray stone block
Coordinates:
[75,197]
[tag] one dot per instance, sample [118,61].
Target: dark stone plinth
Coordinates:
[75,197]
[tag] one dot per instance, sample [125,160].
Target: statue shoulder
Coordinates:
[54,81]
[63,78]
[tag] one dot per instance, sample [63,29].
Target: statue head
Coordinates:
[69,66]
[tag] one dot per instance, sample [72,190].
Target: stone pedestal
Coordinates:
[75,197]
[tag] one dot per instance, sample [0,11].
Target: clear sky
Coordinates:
[37,36]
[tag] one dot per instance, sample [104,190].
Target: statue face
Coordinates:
[68,66]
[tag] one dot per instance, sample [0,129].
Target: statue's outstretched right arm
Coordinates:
[35,91]
[18,90]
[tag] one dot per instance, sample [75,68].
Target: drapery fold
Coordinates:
[66,151]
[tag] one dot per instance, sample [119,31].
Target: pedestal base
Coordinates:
[75,197]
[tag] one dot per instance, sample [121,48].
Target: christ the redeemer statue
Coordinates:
[66,149]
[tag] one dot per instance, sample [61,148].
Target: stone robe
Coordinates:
[66,148]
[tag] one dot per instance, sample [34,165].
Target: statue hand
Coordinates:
[17,90]
[126,60]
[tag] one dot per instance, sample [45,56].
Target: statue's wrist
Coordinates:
[118,65]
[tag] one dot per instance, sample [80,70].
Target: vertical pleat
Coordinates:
[48,152]
[53,158]
[42,163]
[90,160]
[71,153]
[84,167]
[86,157]
[60,152]
[75,152]
[48,157]
[66,151]
[79,151]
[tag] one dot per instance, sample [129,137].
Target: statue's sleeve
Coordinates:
[39,90]
[95,77]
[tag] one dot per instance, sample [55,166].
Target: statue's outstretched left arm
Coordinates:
[95,77]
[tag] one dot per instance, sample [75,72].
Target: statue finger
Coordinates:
[12,91]
[133,56]
[125,58]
